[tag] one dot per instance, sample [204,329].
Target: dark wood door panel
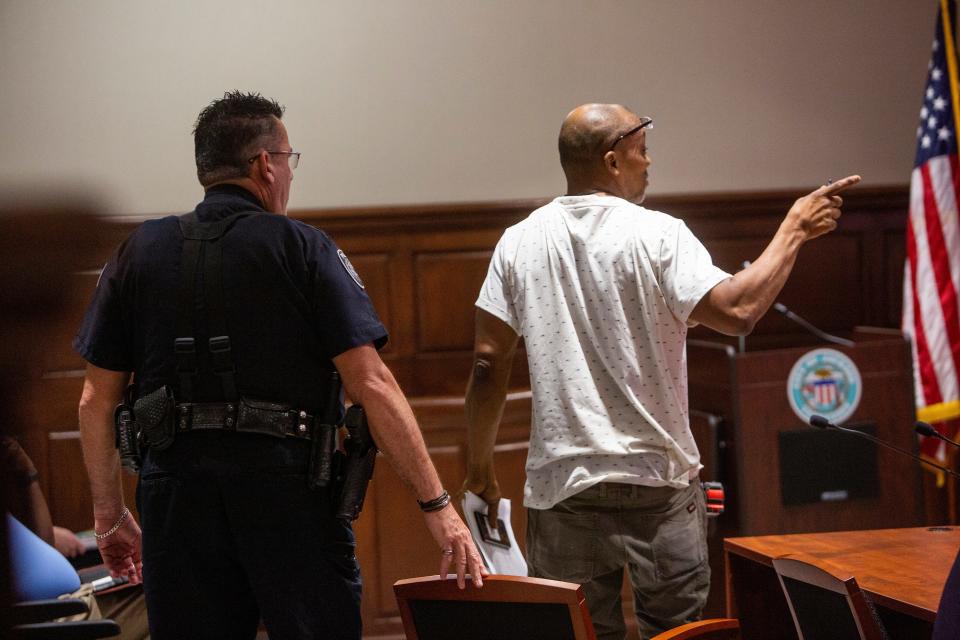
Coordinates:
[447,285]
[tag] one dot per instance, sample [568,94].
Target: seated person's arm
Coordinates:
[21,490]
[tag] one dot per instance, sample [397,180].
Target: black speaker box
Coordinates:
[827,466]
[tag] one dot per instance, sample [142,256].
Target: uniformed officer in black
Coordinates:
[231,532]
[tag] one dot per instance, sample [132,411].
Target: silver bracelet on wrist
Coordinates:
[112,530]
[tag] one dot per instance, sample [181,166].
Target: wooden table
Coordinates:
[902,571]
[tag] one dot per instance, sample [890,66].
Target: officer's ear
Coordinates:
[262,170]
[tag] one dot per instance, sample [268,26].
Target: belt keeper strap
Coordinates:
[221,353]
[185,350]
[222,357]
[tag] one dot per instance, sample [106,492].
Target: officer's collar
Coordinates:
[224,200]
[232,190]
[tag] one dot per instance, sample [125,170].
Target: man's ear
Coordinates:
[610,163]
[262,169]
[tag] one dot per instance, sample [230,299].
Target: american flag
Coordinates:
[932,271]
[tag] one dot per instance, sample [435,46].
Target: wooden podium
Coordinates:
[768,455]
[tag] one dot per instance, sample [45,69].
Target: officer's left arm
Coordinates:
[369,382]
[102,392]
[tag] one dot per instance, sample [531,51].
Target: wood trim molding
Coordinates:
[466,215]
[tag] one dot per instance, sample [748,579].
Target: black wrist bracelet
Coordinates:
[436,504]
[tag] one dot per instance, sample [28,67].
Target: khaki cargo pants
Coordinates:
[657,533]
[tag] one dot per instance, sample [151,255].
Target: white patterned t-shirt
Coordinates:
[601,291]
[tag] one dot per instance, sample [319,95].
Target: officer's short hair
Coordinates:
[229,131]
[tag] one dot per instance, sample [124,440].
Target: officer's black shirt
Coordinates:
[291,305]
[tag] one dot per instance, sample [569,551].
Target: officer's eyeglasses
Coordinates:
[645,123]
[293,157]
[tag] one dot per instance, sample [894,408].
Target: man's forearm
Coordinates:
[737,303]
[485,399]
[394,427]
[753,290]
[103,464]
[495,345]
[100,396]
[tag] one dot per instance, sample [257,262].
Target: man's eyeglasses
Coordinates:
[645,123]
[293,157]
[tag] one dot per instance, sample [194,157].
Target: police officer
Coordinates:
[236,318]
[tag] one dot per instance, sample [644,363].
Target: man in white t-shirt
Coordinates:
[602,291]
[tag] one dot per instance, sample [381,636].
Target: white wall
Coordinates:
[456,100]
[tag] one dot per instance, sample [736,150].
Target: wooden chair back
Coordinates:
[711,629]
[826,602]
[506,607]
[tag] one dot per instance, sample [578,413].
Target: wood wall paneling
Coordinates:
[447,287]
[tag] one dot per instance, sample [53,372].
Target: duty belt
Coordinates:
[246,416]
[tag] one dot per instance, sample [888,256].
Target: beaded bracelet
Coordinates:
[112,530]
[436,504]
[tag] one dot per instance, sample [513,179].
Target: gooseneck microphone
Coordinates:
[823,335]
[925,429]
[822,423]
[806,324]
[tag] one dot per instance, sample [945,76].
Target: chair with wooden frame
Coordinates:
[711,629]
[506,607]
[826,602]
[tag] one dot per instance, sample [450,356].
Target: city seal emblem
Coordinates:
[824,382]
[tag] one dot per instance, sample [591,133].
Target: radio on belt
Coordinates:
[714,494]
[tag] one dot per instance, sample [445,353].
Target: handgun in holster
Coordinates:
[713,491]
[361,454]
[126,436]
[324,456]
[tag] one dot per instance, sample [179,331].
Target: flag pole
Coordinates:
[951,52]
[950,44]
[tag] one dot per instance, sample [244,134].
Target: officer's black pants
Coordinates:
[232,534]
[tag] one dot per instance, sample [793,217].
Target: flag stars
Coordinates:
[936,73]
[924,112]
[936,45]
[930,93]
[939,103]
[932,122]
[943,133]
[925,142]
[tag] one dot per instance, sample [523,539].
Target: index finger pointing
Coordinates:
[838,186]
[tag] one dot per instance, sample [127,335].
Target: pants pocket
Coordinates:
[156,502]
[562,546]
[680,545]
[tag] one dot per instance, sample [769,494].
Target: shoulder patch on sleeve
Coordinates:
[349,268]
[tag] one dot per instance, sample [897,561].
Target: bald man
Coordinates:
[602,291]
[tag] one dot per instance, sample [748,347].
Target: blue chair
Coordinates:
[37,570]
[38,575]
